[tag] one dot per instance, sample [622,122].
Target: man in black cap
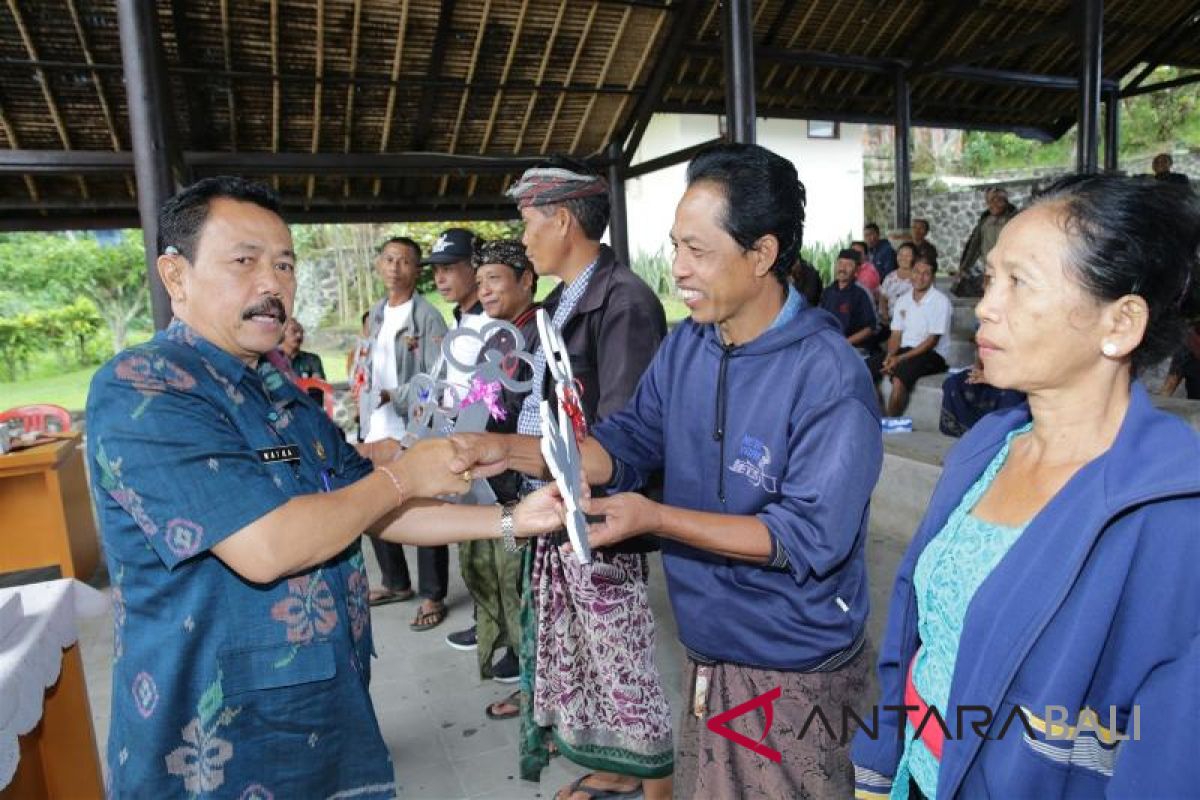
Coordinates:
[454,278]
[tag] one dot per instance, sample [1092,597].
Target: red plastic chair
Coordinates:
[42,417]
[311,386]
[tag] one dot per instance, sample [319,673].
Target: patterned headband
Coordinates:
[509,252]
[548,185]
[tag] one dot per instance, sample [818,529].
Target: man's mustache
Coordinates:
[268,306]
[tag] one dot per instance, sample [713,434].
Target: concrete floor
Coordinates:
[430,701]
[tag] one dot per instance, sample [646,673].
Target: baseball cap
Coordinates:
[455,244]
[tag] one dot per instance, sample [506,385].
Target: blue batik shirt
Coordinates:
[221,687]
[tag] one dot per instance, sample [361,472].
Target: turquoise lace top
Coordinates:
[948,573]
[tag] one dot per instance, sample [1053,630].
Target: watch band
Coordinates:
[508,527]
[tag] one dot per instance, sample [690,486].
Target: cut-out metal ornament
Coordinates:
[560,445]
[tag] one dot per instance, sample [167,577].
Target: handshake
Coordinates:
[446,466]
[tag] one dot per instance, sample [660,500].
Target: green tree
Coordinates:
[57,269]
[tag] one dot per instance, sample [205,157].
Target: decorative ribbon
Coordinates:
[488,393]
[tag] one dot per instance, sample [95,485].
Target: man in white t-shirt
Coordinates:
[919,343]
[406,334]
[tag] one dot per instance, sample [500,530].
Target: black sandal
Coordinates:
[513,700]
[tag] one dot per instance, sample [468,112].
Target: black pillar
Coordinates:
[738,33]
[903,129]
[1112,130]
[618,220]
[1091,31]
[149,115]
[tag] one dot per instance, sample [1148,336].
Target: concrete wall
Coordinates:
[831,170]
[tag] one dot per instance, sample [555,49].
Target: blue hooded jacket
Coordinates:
[785,428]
[1096,606]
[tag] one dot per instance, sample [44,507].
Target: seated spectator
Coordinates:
[807,281]
[898,282]
[967,397]
[918,345]
[1162,170]
[981,241]
[304,364]
[1185,367]
[867,274]
[879,250]
[925,248]
[850,302]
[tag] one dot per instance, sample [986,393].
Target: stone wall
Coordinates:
[952,214]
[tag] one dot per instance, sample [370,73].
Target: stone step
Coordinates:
[912,464]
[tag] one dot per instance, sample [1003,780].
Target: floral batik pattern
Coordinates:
[127,498]
[309,608]
[201,759]
[357,604]
[596,681]
[151,375]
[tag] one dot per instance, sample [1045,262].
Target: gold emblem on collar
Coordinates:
[320,448]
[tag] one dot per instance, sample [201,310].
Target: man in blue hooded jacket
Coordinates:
[765,425]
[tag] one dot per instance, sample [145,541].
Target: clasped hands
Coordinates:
[619,516]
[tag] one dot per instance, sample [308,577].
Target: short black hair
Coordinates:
[182,217]
[1129,236]
[763,197]
[850,254]
[592,212]
[923,221]
[404,240]
[910,246]
[920,259]
[871,226]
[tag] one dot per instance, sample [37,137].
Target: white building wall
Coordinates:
[831,170]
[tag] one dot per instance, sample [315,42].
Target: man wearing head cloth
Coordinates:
[596,691]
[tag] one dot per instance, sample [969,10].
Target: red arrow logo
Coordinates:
[717,724]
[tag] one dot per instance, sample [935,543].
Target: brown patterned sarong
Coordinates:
[818,765]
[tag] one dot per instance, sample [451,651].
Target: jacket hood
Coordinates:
[807,322]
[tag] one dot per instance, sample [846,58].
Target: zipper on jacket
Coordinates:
[719,427]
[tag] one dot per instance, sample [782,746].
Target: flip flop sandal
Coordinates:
[425,620]
[598,794]
[513,700]
[383,597]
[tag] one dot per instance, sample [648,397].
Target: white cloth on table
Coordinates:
[42,626]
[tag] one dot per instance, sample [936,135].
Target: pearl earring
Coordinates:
[1109,349]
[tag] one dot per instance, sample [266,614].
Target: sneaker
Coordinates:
[463,640]
[507,669]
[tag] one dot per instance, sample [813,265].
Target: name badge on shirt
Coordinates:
[274,455]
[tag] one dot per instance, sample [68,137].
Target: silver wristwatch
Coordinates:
[508,527]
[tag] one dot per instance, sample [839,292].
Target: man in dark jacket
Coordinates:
[981,241]
[765,425]
[611,324]
[879,250]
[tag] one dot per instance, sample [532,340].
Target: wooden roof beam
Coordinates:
[315,143]
[651,40]
[579,46]
[276,90]
[499,95]
[227,48]
[198,112]
[466,93]
[349,120]
[11,135]
[44,85]
[631,134]
[105,109]
[390,110]
[437,54]
[600,80]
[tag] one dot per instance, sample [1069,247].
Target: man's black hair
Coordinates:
[763,196]
[181,218]
[404,240]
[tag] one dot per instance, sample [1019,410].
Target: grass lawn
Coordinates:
[49,382]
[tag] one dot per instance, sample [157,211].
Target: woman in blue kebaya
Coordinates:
[1053,579]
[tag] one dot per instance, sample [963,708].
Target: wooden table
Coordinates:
[46,510]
